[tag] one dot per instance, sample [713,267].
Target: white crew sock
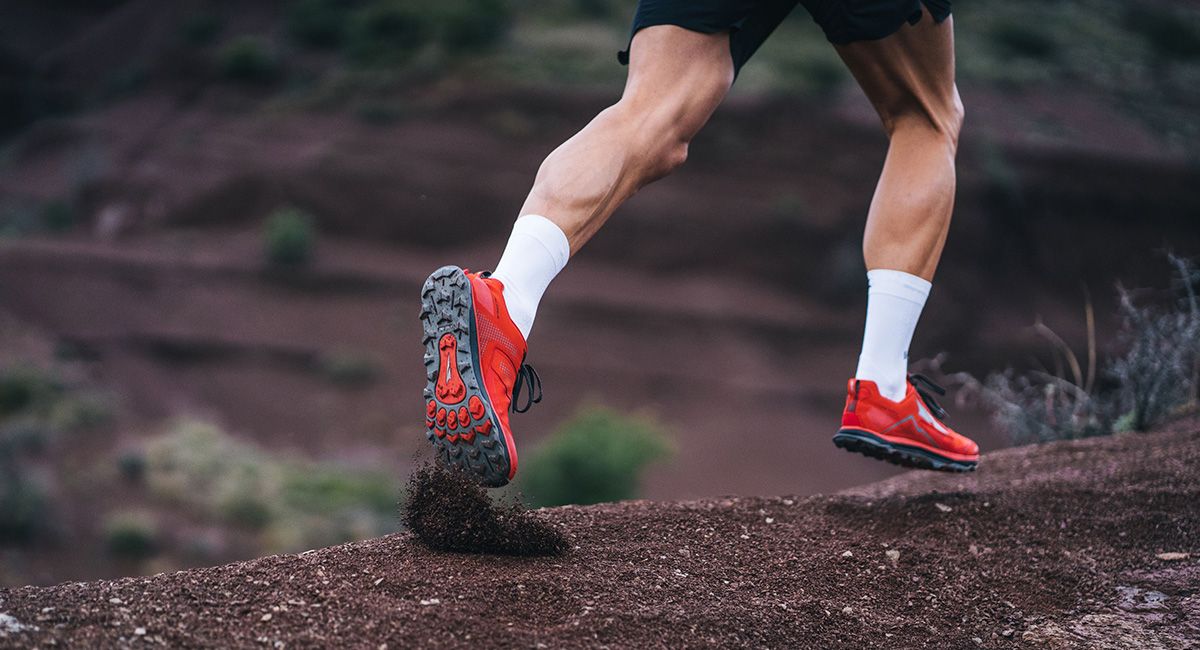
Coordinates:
[537,250]
[894,303]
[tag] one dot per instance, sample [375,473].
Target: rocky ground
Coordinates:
[1084,544]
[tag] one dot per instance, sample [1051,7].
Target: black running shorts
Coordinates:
[750,22]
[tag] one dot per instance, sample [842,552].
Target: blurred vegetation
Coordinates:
[249,60]
[597,456]
[132,535]
[23,218]
[349,369]
[41,396]
[200,29]
[291,504]
[1159,371]
[289,238]
[317,23]
[36,406]
[1144,58]
[1153,376]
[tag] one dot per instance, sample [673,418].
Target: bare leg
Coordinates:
[909,77]
[676,80]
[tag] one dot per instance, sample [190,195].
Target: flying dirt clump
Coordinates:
[448,511]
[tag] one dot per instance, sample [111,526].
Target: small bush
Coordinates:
[248,60]
[1037,407]
[131,535]
[76,413]
[24,435]
[471,26]
[22,387]
[24,505]
[388,32]
[248,510]
[1154,375]
[1024,39]
[18,221]
[326,491]
[1158,371]
[132,466]
[294,504]
[349,369]
[597,456]
[58,216]
[595,9]
[289,238]
[317,23]
[200,29]
[1172,35]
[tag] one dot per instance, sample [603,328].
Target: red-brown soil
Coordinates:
[1084,544]
[726,301]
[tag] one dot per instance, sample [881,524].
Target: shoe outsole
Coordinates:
[867,444]
[477,446]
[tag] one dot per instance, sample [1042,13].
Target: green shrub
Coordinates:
[248,510]
[132,465]
[1160,366]
[597,456]
[131,535]
[1024,39]
[24,435]
[58,216]
[22,387]
[349,369]
[471,26]
[326,491]
[388,32]
[294,504]
[1155,374]
[249,60]
[289,238]
[1171,34]
[200,29]
[317,23]
[75,413]
[595,9]
[18,220]
[24,505]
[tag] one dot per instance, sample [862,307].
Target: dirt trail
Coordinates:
[1089,544]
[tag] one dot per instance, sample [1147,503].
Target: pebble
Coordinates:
[265,618]
[943,507]
[1174,556]
[141,631]
[847,554]
[848,610]
[431,601]
[893,556]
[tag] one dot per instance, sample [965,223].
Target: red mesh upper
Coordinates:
[501,351]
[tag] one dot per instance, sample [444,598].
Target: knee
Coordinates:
[943,119]
[657,139]
[665,155]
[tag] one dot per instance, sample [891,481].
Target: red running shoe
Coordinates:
[475,369]
[909,432]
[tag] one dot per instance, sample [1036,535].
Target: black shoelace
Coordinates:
[925,387]
[527,376]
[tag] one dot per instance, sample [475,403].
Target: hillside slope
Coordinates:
[1076,544]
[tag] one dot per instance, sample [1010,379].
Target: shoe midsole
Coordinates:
[907,442]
